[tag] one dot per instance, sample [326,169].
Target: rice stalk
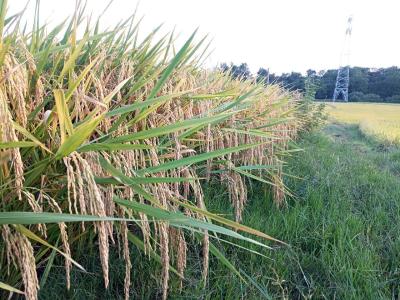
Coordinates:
[102,116]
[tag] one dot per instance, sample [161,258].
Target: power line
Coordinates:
[343,75]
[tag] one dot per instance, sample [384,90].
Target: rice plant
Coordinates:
[104,133]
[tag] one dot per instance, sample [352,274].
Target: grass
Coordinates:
[343,227]
[342,230]
[378,120]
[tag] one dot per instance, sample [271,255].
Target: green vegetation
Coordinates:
[128,171]
[105,142]
[366,84]
[342,229]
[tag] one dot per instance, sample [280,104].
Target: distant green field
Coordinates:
[381,121]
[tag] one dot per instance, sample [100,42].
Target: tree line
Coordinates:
[366,84]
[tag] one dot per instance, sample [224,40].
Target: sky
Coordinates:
[282,35]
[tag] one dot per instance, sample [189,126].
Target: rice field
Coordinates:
[106,139]
[381,121]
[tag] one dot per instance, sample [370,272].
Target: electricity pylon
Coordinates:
[343,78]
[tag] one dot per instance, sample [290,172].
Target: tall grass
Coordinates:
[104,137]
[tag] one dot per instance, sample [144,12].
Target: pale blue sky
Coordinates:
[284,35]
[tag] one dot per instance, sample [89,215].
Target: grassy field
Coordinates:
[378,120]
[342,228]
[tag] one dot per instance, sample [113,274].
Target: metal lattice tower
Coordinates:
[343,78]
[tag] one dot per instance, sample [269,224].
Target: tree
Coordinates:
[241,71]
[358,80]
[379,85]
[292,81]
[263,75]
[327,84]
[311,73]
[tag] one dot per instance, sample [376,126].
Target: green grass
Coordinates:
[344,227]
[343,230]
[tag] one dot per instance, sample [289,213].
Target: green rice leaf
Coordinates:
[144,180]
[256,167]
[258,178]
[70,63]
[168,71]
[27,218]
[122,178]
[49,265]
[178,219]
[64,118]
[221,257]
[81,133]
[112,147]
[233,224]
[109,97]
[21,144]
[186,161]
[30,136]
[75,83]
[9,288]
[162,130]
[252,132]
[142,104]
